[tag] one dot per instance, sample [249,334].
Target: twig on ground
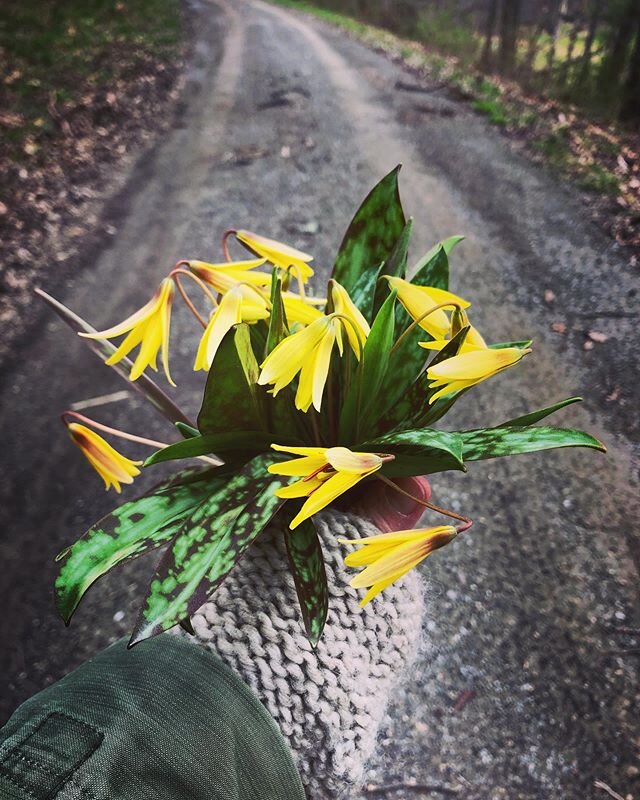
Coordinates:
[608,790]
[102,400]
[414,788]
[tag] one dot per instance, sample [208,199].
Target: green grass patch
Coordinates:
[598,179]
[54,51]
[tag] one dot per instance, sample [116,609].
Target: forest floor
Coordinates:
[83,86]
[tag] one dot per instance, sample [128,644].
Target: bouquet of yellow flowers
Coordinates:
[305,398]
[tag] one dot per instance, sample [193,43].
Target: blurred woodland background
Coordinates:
[583,51]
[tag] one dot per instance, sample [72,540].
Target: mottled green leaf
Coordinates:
[219,443]
[364,400]
[447,245]
[277,319]
[210,542]
[522,345]
[395,265]
[412,409]
[433,269]
[535,416]
[134,528]
[364,291]
[495,442]
[372,234]
[306,561]
[418,452]
[187,431]
[231,401]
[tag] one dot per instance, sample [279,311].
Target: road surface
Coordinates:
[525,688]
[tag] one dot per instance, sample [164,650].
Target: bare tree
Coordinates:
[486,59]
[630,107]
[509,24]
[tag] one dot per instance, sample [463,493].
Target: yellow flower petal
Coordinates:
[475,365]
[418,300]
[345,460]
[112,466]
[355,325]
[279,254]
[148,327]
[298,466]
[326,493]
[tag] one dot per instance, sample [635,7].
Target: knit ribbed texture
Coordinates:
[329,702]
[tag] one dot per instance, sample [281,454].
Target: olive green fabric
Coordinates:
[166,720]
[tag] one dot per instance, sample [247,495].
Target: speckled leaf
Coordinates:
[412,409]
[132,529]
[535,416]
[418,452]
[522,345]
[372,234]
[364,400]
[496,442]
[307,567]
[363,292]
[277,319]
[220,443]
[231,401]
[209,544]
[433,269]
[395,265]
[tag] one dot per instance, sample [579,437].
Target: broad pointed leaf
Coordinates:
[372,234]
[433,269]
[418,452]
[412,408]
[306,561]
[495,442]
[522,345]
[211,541]
[364,291]
[447,245]
[277,319]
[133,529]
[535,416]
[364,400]
[231,401]
[395,265]
[221,443]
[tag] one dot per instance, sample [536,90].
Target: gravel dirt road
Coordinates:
[528,684]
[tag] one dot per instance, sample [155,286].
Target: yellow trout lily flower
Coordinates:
[418,300]
[388,556]
[326,474]
[278,254]
[356,326]
[302,310]
[239,304]
[111,466]
[223,277]
[471,367]
[147,327]
[472,341]
[308,352]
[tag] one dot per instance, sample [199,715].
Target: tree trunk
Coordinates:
[614,61]
[630,107]
[566,65]
[509,22]
[486,59]
[585,64]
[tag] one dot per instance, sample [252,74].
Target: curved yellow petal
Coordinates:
[336,485]
[345,460]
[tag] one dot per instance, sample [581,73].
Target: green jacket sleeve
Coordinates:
[166,720]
